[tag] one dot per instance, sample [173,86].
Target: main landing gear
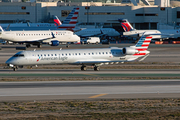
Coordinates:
[83,68]
[96,68]
[29,45]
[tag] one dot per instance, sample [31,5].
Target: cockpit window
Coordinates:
[18,55]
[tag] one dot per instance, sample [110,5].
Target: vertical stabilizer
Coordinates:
[1,29]
[143,44]
[126,25]
[71,20]
[57,22]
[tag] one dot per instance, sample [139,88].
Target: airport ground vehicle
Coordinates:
[88,40]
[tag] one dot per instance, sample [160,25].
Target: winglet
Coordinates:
[1,29]
[52,35]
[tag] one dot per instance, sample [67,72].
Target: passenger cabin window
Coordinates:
[18,55]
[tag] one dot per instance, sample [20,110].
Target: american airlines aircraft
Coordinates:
[130,31]
[52,37]
[69,23]
[84,57]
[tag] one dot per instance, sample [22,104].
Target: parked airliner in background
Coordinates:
[84,57]
[68,24]
[52,37]
[32,26]
[96,32]
[130,31]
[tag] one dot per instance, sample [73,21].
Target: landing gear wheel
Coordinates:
[28,45]
[14,69]
[39,46]
[96,68]
[67,46]
[83,68]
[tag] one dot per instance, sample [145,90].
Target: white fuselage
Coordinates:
[73,56]
[39,36]
[164,33]
[98,32]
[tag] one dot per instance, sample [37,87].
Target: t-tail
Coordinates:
[126,25]
[1,29]
[140,49]
[71,20]
[57,22]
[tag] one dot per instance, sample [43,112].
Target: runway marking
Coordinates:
[99,95]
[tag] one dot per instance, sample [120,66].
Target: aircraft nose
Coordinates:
[10,61]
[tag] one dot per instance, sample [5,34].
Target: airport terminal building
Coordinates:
[142,15]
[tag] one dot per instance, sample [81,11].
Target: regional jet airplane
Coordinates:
[52,37]
[130,31]
[84,57]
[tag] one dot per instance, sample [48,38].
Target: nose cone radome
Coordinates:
[11,61]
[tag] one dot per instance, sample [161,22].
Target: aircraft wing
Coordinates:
[89,35]
[95,62]
[92,35]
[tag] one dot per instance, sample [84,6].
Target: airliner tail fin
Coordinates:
[57,22]
[126,25]
[71,20]
[143,44]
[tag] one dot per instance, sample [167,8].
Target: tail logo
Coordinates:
[126,27]
[71,20]
[143,45]
[57,22]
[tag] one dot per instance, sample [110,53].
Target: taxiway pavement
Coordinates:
[13,91]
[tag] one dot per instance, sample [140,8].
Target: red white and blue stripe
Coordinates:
[71,20]
[143,45]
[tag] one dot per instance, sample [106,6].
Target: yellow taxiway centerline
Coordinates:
[99,95]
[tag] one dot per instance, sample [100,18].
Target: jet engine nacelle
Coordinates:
[54,43]
[129,51]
